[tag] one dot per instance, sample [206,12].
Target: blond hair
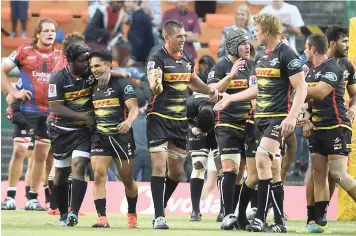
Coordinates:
[245,9]
[269,24]
[38,28]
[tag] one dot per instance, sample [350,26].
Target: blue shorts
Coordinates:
[19,10]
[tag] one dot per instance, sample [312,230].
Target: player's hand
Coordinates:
[214,95]
[122,73]
[239,63]
[288,125]
[307,129]
[197,132]
[223,103]
[303,120]
[90,121]
[22,94]
[124,127]
[103,79]
[351,113]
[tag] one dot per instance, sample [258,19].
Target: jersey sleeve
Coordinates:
[332,76]
[55,88]
[252,79]
[215,75]
[291,62]
[127,91]
[15,56]
[154,63]
[351,80]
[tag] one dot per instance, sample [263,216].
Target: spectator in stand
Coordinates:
[190,22]
[105,27]
[19,11]
[290,18]
[140,35]
[205,7]
[243,22]
[94,5]
[142,168]
[205,64]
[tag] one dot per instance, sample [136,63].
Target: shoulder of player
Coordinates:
[332,69]
[346,62]
[158,54]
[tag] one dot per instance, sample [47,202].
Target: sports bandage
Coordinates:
[22,141]
[200,159]
[175,155]
[198,174]
[340,175]
[236,157]
[272,156]
[158,149]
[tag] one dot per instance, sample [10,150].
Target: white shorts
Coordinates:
[68,161]
[211,162]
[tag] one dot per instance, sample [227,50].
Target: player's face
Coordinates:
[259,35]
[81,64]
[176,39]
[47,36]
[98,66]
[342,46]
[244,50]
[308,51]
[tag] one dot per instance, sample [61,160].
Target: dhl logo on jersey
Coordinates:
[268,72]
[177,77]
[77,94]
[110,102]
[312,84]
[239,83]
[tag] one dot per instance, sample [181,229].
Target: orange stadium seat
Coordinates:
[85,16]
[219,20]
[63,17]
[75,6]
[9,45]
[214,45]
[208,52]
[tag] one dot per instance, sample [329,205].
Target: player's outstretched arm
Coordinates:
[197,85]
[243,96]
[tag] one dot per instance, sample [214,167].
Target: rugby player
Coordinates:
[278,70]
[35,61]
[115,110]
[170,72]
[69,94]
[331,140]
[201,141]
[338,45]
[232,75]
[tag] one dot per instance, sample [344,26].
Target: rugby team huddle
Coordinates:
[74,106]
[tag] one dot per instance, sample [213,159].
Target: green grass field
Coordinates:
[21,223]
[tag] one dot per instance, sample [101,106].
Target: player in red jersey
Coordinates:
[36,62]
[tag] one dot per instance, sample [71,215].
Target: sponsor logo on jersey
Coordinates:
[313,84]
[41,76]
[253,81]
[77,94]
[294,64]
[239,83]
[274,62]
[268,72]
[52,90]
[331,76]
[109,91]
[110,102]
[177,77]
[31,57]
[346,74]
[129,89]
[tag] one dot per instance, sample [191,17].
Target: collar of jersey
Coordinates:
[326,60]
[43,50]
[270,51]
[175,58]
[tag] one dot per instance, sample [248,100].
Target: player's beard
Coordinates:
[339,54]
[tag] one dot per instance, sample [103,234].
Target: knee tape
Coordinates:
[340,175]
[175,155]
[200,159]
[200,173]
[272,156]
[23,141]
[236,157]
[158,149]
